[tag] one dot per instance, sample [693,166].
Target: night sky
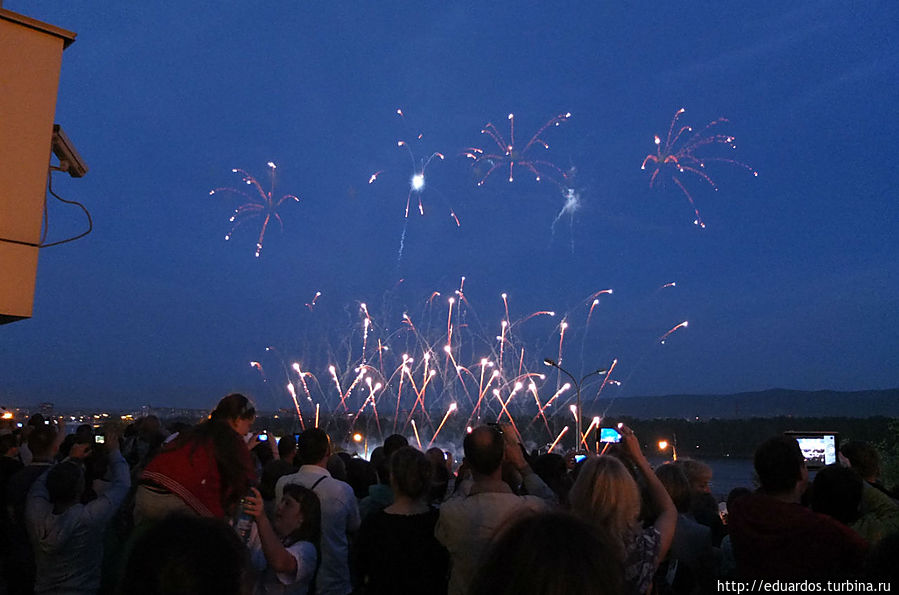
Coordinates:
[793,283]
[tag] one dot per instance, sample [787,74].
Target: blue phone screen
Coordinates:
[609,435]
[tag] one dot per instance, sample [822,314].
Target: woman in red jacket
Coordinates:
[204,471]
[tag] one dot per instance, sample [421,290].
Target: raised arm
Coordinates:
[514,454]
[106,505]
[277,556]
[667,520]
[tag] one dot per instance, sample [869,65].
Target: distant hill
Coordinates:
[775,402]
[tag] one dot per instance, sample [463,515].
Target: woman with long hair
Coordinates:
[286,548]
[205,470]
[607,496]
[395,550]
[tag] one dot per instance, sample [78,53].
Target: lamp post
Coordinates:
[664,444]
[577,388]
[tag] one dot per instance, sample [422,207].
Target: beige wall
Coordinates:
[30,60]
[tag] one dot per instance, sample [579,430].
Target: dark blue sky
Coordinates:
[794,282]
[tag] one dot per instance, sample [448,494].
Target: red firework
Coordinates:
[508,154]
[259,204]
[676,156]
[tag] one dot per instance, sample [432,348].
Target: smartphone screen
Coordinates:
[818,448]
[579,458]
[609,435]
[262,437]
[99,439]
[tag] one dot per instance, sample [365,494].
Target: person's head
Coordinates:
[42,442]
[484,448]
[410,473]
[287,448]
[735,494]
[382,462]
[699,475]
[676,484]
[237,411]
[863,457]
[379,461]
[65,483]
[9,445]
[298,516]
[35,421]
[779,465]
[732,496]
[550,467]
[440,474]
[336,466]
[313,447]
[360,474]
[436,456]
[553,470]
[393,443]
[149,427]
[549,554]
[606,495]
[186,554]
[837,492]
[84,434]
[263,452]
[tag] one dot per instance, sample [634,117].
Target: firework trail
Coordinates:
[664,337]
[451,408]
[559,437]
[311,305]
[408,380]
[258,366]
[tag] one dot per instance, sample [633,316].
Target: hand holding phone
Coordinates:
[632,445]
[514,452]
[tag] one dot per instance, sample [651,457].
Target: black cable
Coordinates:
[46,225]
[90,222]
[19,242]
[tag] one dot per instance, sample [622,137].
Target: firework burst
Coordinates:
[681,153]
[259,204]
[508,154]
[417,183]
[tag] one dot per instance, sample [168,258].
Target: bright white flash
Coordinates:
[418,182]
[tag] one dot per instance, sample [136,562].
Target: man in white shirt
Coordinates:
[468,524]
[340,513]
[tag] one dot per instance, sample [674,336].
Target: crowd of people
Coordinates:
[210,508]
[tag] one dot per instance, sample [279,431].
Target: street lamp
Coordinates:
[663,444]
[577,387]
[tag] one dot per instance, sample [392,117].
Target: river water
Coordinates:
[728,473]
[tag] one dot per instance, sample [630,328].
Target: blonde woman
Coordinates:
[607,496]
